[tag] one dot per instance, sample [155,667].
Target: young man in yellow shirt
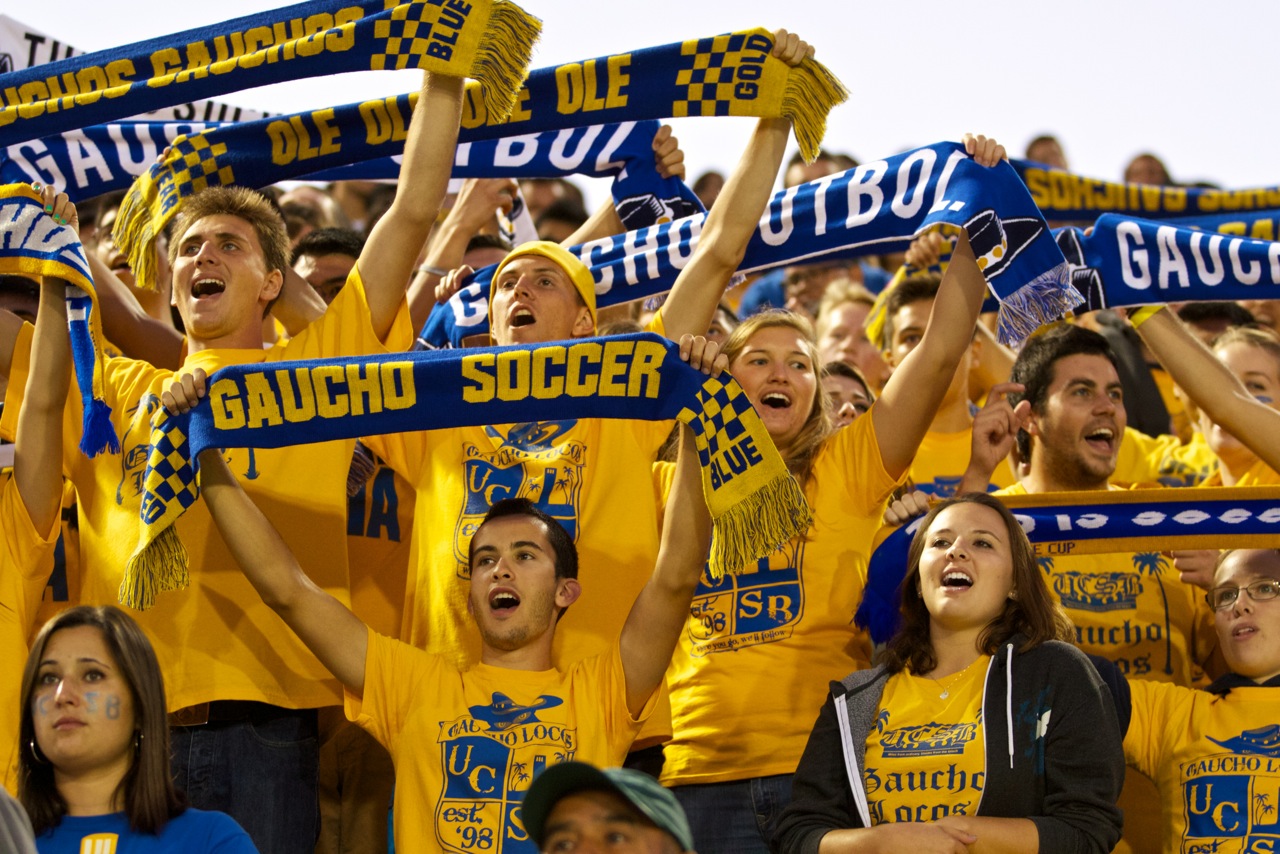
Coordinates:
[244,689]
[467,742]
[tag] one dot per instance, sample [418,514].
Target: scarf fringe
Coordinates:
[99,431]
[159,567]
[768,517]
[503,56]
[134,231]
[812,91]
[1043,300]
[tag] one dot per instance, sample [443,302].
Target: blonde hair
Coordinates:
[1260,339]
[839,292]
[818,424]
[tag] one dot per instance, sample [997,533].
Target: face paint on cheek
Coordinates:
[91,701]
[113,707]
[42,705]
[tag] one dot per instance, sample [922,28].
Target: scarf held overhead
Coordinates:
[877,207]
[727,75]
[1127,262]
[754,501]
[1075,523]
[259,153]
[1064,196]
[487,40]
[33,245]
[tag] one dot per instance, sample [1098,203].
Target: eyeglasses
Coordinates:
[1220,598]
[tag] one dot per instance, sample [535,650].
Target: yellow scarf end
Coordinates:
[812,91]
[503,56]
[757,525]
[135,231]
[158,567]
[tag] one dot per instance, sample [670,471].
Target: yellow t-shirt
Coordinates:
[1163,459]
[466,744]
[1259,474]
[925,756]
[941,460]
[759,648]
[27,557]
[379,531]
[217,640]
[63,587]
[1133,609]
[584,473]
[1216,764]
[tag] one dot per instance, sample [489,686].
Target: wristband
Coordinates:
[435,271]
[1142,315]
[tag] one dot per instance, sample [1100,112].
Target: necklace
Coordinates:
[946,689]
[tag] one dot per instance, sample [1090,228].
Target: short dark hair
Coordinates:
[150,798]
[565,552]
[914,289]
[564,209]
[484,240]
[849,372]
[1034,367]
[1033,613]
[329,241]
[1231,313]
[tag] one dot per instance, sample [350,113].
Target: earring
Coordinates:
[35,753]
[137,739]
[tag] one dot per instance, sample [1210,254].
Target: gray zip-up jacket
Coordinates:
[1053,753]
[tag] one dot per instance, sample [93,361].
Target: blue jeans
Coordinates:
[737,817]
[262,772]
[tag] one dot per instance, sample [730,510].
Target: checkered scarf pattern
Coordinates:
[1110,522]
[33,245]
[754,501]
[487,40]
[242,154]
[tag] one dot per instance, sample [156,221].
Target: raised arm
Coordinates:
[905,409]
[128,326]
[333,634]
[1210,383]
[733,218]
[37,455]
[298,305]
[475,206]
[386,263]
[653,627]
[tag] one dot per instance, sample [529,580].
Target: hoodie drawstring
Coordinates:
[1008,698]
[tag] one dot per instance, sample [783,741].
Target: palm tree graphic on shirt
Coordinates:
[1154,564]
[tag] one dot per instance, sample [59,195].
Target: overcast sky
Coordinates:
[1190,81]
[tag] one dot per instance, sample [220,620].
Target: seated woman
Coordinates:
[981,730]
[95,745]
[1213,753]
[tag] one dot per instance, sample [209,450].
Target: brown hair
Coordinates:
[1034,613]
[150,798]
[246,204]
[818,424]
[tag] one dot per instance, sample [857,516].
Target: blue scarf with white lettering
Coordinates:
[1061,195]
[875,208]
[1128,262]
[1111,522]
[357,142]
[34,246]
[754,501]
[487,40]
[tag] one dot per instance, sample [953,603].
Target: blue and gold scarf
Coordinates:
[754,501]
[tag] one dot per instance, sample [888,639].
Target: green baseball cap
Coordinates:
[640,790]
